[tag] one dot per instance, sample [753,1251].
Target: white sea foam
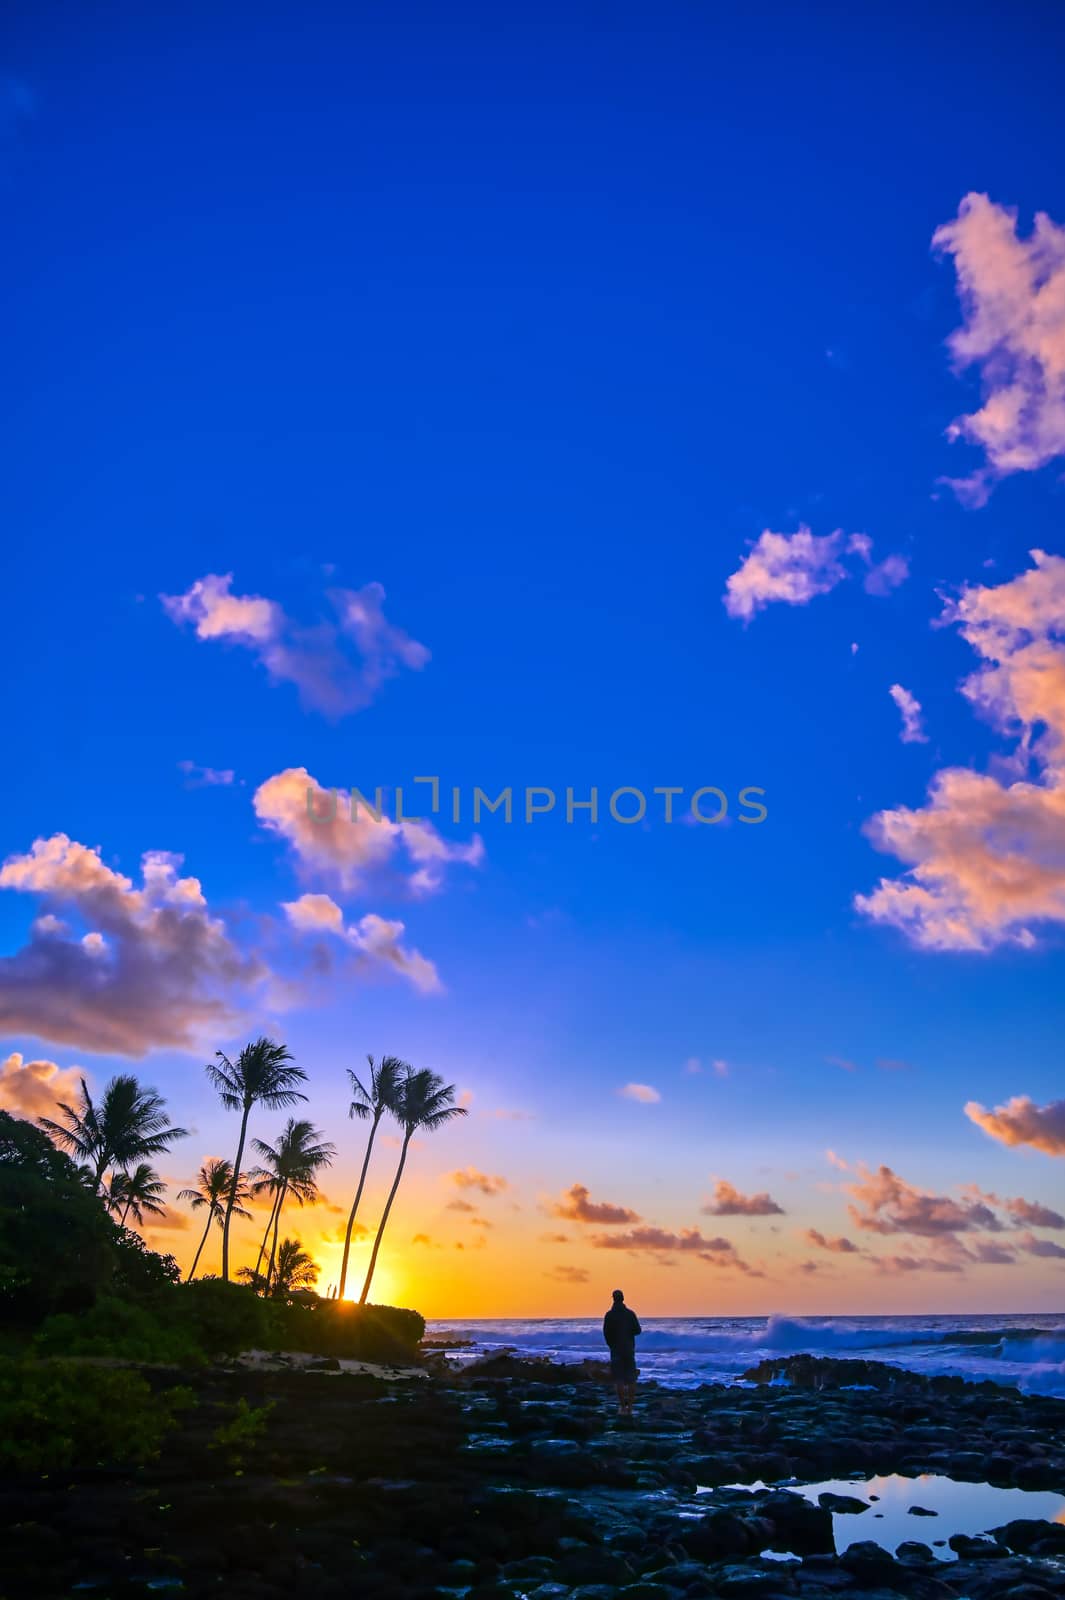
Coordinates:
[1025,1351]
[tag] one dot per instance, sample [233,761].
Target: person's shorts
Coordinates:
[623,1368]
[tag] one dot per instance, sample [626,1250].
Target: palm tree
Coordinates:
[295,1269]
[290,1169]
[129,1124]
[213,1184]
[426,1104]
[138,1191]
[383,1094]
[262,1074]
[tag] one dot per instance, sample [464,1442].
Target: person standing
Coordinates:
[621,1328]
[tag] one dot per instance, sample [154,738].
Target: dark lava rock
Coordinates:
[920,1511]
[976,1549]
[797,1525]
[842,1504]
[866,1556]
[1024,1535]
[759,1583]
[914,1550]
[529,1369]
[593,1567]
[719,1534]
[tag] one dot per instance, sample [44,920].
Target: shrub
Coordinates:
[226,1318]
[118,1328]
[359,1333]
[245,1428]
[56,1415]
[55,1237]
[140,1273]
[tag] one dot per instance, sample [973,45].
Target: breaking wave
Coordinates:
[1025,1351]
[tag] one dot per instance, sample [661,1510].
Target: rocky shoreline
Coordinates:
[504,1479]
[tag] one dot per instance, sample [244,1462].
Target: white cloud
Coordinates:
[641,1092]
[1012,293]
[197,777]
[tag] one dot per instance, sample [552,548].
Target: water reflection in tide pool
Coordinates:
[970,1508]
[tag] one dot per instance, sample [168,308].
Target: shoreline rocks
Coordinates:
[505,1478]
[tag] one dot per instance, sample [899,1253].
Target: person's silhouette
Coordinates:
[620,1329]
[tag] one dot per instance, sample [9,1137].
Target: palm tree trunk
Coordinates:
[203,1241]
[277,1223]
[266,1235]
[233,1192]
[125,1214]
[384,1219]
[355,1207]
[99,1173]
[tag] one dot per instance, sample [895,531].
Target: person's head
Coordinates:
[619,1298]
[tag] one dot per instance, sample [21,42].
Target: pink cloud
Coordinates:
[716,1252]
[346,844]
[985,857]
[338,664]
[376,941]
[1012,293]
[1034,1215]
[729,1202]
[152,968]
[1021,1121]
[839,1246]
[578,1206]
[794,568]
[641,1092]
[485,1182]
[887,1204]
[31,1088]
[1046,1249]
[910,710]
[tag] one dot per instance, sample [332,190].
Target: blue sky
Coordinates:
[538,321]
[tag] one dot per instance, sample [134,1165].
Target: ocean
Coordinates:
[1027,1351]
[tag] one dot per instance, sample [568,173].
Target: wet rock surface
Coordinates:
[493,1485]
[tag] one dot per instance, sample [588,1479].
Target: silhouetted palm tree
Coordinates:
[290,1169]
[295,1269]
[129,1124]
[138,1191]
[426,1104]
[383,1095]
[213,1184]
[262,1074]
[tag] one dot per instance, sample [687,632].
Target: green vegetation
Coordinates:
[245,1428]
[79,1286]
[289,1168]
[426,1103]
[263,1074]
[63,1414]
